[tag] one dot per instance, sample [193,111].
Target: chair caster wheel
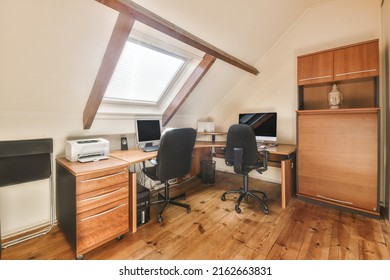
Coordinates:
[188,210]
[266,211]
[223,198]
[238,210]
[79,257]
[159,218]
[119,237]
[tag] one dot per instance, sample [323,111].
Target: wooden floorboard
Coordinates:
[214,231]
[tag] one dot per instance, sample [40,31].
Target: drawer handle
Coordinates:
[315,78]
[102,178]
[335,200]
[103,213]
[355,72]
[101,195]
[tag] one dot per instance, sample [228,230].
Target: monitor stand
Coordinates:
[264,145]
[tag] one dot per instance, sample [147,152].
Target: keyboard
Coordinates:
[150,148]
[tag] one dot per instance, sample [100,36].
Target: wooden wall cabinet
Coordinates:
[344,63]
[338,149]
[315,68]
[357,61]
[92,202]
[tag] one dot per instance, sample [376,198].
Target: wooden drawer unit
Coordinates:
[92,202]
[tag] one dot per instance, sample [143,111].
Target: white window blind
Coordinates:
[143,73]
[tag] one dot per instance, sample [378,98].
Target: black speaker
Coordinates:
[124,143]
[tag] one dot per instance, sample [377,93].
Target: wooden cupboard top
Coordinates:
[339,48]
[78,168]
[348,62]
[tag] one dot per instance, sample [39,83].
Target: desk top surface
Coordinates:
[133,155]
[136,155]
[78,168]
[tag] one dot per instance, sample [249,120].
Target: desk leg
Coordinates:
[287,170]
[133,202]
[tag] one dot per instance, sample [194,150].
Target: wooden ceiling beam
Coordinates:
[147,17]
[188,87]
[118,39]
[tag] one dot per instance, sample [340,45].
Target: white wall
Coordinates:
[331,24]
[50,53]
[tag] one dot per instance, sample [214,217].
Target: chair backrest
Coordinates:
[25,161]
[241,136]
[174,156]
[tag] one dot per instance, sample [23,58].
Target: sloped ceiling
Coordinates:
[52,50]
[245,29]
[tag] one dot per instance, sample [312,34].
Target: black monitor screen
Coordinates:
[263,124]
[148,131]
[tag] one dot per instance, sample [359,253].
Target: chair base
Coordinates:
[165,200]
[244,193]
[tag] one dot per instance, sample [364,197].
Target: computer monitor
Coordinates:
[264,125]
[148,132]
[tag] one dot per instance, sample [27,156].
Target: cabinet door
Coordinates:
[357,61]
[338,158]
[315,68]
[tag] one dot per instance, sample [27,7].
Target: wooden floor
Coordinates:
[214,231]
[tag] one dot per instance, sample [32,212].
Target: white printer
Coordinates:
[85,150]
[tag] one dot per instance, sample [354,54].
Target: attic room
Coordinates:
[52,53]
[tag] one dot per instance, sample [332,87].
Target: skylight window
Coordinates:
[143,74]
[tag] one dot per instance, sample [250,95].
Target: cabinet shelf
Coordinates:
[359,93]
[338,111]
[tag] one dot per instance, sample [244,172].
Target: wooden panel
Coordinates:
[118,39]
[315,68]
[338,156]
[92,182]
[357,61]
[187,88]
[199,154]
[287,168]
[101,224]
[90,200]
[133,202]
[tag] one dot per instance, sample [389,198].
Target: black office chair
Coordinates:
[173,160]
[241,152]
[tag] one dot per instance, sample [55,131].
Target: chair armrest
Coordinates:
[153,161]
[238,154]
